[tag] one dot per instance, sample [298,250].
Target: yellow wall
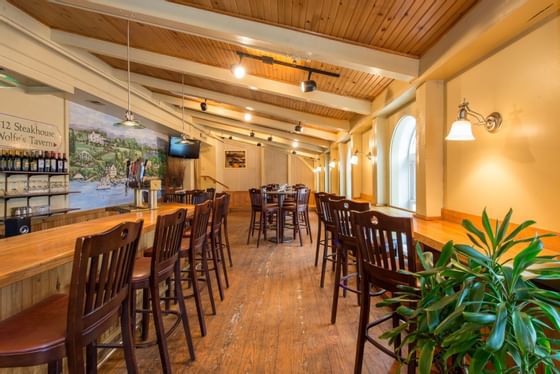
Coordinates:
[517,167]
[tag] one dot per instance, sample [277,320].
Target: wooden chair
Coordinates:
[269,212]
[345,245]
[200,197]
[328,223]
[255,197]
[189,195]
[174,197]
[299,211]
[196,252]
[63,325]
[382,244]
[225,225]
[211,193]
[216,248]
[320,223]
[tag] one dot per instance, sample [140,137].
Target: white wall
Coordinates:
[275,170]
[249,177]
[518,166]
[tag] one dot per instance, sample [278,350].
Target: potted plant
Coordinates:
[477,311]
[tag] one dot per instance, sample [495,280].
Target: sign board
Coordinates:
[22,133]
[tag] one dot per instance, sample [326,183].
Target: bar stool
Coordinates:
[215,236]
[255,197]
[225,225]
[150,272]
[298,211]
[328,223]
[382,245]
[268,212]
[320,224]
[345,245]
[62,325]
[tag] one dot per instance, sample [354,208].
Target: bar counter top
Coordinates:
[27,255]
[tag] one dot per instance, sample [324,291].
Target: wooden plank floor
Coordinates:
[275,319]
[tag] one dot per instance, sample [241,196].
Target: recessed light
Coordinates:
[253,88]
[295,144]
[247,117]
[238,71]
[249,108]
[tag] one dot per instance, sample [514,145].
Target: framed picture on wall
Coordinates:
[235,160]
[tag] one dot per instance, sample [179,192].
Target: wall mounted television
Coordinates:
[178,149]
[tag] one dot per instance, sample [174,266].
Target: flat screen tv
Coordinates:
[177,149]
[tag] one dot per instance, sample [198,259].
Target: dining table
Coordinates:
[280,197]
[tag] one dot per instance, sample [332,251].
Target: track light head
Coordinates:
[269,138]
[298,128]
[309,85]
[230,137]
[203,106]
[252,134]
[259,144]
[294,152]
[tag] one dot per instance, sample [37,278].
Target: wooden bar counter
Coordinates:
[39,264]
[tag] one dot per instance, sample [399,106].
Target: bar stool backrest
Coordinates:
[218,213]
[200,197]
[325,208]
[189,195]
[211,193]
[167,242]
[302,198]
[340,210]
[199,227]
[101,277]
[174,197]
[255,196]
[383,243]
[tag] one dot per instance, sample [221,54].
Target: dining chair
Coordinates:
[328,223]
[382,245]
[63,325]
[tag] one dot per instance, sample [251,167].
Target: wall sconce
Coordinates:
[461,129]
[332,164]
[317,169]
[354,158]
[369,156]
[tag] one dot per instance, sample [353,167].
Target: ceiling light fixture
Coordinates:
[252,134]
[298,128]
[461,129]
[332,164]
[247,117]
[269,138]
[253,88]
[369,156]
[294,152]
[249,108]
[204,106]
[259,144]
[129,120]
[354,158]
[309,85]
[295,144]
[238,70]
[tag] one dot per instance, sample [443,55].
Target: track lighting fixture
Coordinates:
[230,137]
[294,152]
[269,138]
[259,144]
[309,85]
[252,134]
[247,117]
[204,106]
[298,128]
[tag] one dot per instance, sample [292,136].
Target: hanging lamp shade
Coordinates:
[129,120]
[461,130]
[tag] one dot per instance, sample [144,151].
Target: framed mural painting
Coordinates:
[235,160]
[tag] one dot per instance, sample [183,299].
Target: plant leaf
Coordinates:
[467,224]
[503,227]
[549,311]
[426,357]
[481,318]
[524,331]
[488,228]
[479,361]
[446,253]
[497,335]
[518,229]
[441,303]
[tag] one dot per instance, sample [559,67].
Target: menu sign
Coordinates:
[22,133]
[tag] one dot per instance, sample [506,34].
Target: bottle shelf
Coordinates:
[45,214]
[36,194]
[31,173]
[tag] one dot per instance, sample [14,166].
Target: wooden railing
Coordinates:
[215,181]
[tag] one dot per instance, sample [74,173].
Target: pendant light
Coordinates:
[185,139]
[129,120]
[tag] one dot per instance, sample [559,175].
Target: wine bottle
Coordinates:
[53,162]
[40,162]
[17,161]
[25,161]
[65,163]
[3,161]
[33,162]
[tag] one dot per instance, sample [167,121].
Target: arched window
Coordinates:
[403,164]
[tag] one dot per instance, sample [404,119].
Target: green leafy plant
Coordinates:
[478,310]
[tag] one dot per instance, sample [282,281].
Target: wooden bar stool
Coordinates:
[345,245]
[150,272]
[328,222]
[225,225]
[298,210]
[216,244]
[63,325]
[382,244]
[254,223]
[269,212]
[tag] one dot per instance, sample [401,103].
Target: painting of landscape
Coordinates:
[99,153]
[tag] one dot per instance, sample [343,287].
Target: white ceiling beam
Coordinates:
[179,65]
[255,35]
[239,116]
[259,135]
[267,130]
[289,114]
[251,140]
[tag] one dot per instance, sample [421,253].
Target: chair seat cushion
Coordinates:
[38,329]
[141,269]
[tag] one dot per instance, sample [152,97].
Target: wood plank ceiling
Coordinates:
[407,27]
